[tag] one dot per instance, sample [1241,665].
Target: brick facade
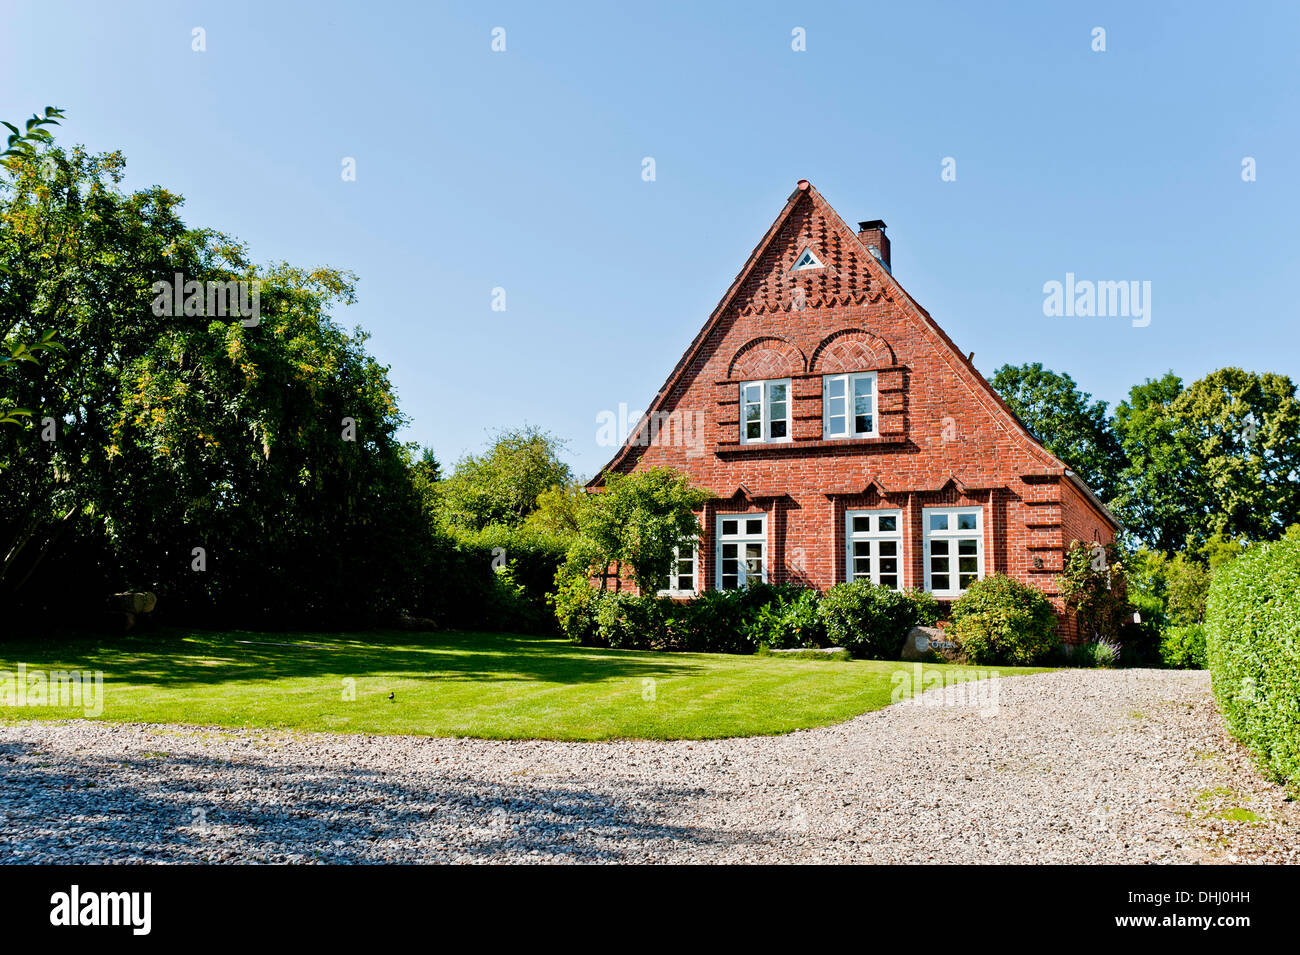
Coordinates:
[943,436]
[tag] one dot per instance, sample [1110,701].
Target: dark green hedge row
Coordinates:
[494,579]
[1253,653]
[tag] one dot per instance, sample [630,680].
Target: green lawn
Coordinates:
[454,684]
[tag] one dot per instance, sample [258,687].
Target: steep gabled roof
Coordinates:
[891,289]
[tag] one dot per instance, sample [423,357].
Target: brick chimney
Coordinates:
[872,234]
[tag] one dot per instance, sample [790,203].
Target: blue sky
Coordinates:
[522,170]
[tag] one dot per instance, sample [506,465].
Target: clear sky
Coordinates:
[522,170]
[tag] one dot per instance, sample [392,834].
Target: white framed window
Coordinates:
[874,542]
[849,405]
[954,548]
[807,260]
[683,573]
[742,550]
[765,411]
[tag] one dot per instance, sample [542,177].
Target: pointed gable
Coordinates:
[811,261]
[813,322]
[848,278]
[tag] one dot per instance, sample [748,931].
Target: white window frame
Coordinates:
[743,537]
[765,404]
[813,261]
[850,380]
[952,535]
[874,538]
[672,590]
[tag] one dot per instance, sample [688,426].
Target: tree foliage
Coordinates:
[19,152]
[1066,420]
[561,511]
[502,485]
[153,435]
[1094,586]
[1221,457]
[638,520]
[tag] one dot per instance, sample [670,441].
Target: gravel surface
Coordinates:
[1074,766]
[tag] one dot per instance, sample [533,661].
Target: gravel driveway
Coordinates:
[1075,766]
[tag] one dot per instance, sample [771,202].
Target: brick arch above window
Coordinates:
[852,349]
[767,357]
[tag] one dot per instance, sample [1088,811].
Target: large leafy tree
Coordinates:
[1069,423]
[561,511]
[63,270]
[20,148]
[638,520]
[502,485]
[154,435]
[1158,482]
[1218,459]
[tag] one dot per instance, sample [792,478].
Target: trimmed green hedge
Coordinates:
[1253,653]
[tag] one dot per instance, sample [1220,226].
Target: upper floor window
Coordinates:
[875,546]
[765,411]
[682,573]
[807,260]
[954,549]
[742,550]
[849,405]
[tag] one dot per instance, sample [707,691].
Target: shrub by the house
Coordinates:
[1001,620]
[738,621]
[714,622]
[717,621]
[792,621]
[1094,586]
[625,621]
[1102,654]
[867,620]
[1253,653]
[871,621]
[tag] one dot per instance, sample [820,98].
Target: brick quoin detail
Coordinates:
[945,438]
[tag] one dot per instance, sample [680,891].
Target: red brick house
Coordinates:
[845,435]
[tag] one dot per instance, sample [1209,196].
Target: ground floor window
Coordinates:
[682,573]
[742,550]
[875,546]
[954,549]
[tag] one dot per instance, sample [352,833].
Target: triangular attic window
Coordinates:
[805,261]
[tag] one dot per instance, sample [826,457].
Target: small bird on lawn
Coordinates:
[390,697]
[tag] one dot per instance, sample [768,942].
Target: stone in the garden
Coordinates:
[922,642]
[134,602]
